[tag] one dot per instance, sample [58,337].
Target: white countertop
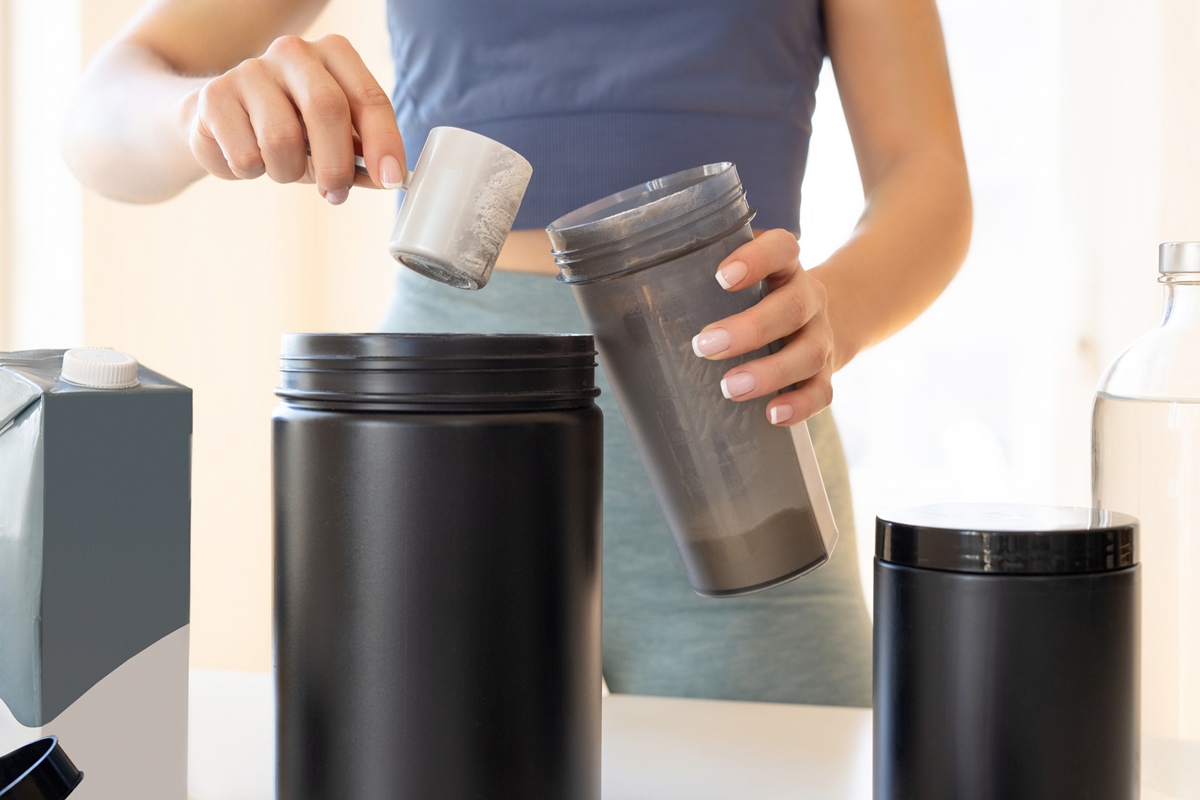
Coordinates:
[664,748]
[654,748]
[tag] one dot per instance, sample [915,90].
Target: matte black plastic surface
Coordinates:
[1003,687]
[40,770]
[437,604]
[444,372]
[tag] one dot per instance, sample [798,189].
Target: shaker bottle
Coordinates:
[745,504]
[1146,462]
[437,567]
[1006,654]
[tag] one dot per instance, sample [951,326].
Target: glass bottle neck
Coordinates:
[1181,299]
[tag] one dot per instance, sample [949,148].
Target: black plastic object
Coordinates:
[437,567]
[40,770]
[1023,540]
[1006,663]
[746,511]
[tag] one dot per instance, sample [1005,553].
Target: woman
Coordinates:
[600,95]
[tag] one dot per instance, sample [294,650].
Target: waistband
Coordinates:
[512,302]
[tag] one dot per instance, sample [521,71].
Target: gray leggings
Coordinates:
[808,641]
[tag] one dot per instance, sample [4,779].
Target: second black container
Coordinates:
[1006,654]
[437,568]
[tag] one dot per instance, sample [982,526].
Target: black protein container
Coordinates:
[437,567]
[1006,654]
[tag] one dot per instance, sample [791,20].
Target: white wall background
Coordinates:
[41,293]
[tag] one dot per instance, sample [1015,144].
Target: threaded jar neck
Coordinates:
[437,372]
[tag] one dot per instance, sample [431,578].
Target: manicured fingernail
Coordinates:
[738,384]
[781,413]
[390,172]
[711,342]
[731,273]
[337,196]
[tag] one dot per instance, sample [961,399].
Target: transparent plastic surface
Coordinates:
[649,224]
[728,480]
[1146,462]
[745,513]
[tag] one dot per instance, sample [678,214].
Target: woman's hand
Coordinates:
[265,114]
[794,310]
[890,64]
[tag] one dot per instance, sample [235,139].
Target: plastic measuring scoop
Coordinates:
[459,205]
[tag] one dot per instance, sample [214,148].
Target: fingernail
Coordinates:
[738,384]
[781,413]
[337,196]
[711,342]
[729,275]
[391,173]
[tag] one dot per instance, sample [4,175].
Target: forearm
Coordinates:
[907,246]
[131,119]
[126,130]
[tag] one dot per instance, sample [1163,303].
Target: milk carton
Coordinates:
[95,462]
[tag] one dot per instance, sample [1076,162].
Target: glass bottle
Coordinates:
[1146,462]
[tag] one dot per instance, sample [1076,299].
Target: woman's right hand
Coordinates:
[267,113]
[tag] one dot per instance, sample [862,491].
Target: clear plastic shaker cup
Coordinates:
[744,498]
[459,206]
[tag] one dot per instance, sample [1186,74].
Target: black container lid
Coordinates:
[38,771]
[1007,539]
[438,371]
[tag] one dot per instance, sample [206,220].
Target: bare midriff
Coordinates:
[527,251]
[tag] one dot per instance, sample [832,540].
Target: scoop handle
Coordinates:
[360,167]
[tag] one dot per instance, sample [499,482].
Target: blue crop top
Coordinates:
[600,95]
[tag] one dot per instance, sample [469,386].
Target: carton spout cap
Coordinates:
[99,368]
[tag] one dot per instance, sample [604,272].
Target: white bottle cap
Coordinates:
[1175,258]
[99,368]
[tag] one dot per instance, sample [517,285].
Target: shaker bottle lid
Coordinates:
[1176,257]
[1009,539]
[99,368]
[40,770]
[649,223]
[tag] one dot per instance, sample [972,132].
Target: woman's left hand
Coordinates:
[794,311]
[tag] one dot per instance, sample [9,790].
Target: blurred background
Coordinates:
[1081,120]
